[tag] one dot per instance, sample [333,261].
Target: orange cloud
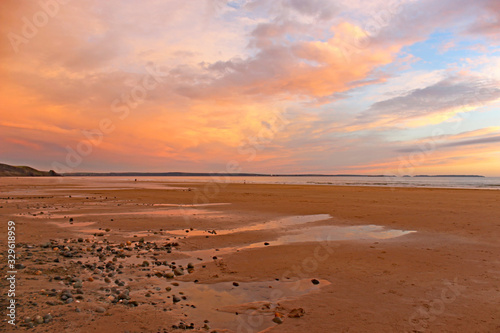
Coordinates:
[226,73]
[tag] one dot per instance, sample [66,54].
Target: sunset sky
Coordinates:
[281,86]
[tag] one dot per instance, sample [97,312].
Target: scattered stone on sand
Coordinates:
[315,281]
[296,313]
[47,318]
[100,309]
[104,272]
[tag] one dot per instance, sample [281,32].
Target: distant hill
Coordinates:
[210,174]
[24,171]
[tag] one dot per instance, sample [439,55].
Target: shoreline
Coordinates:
[204,180]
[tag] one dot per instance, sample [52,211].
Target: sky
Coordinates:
[400,87]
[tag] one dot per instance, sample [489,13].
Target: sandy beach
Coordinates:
[118,255]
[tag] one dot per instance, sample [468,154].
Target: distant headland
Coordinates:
[24,171]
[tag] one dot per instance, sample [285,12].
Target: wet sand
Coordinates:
[382,259]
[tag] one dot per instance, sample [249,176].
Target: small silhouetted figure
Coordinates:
[135,180]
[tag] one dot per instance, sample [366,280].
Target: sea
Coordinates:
[492,183]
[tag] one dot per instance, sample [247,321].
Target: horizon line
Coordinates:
[251,174]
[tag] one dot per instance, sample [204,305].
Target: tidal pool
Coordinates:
[247,307]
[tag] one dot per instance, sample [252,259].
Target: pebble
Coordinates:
[175,299]
[236,284]
[314,281]
[100,309]
[277,320]
[47,318]
[123,295]
[38,320]
[296,313]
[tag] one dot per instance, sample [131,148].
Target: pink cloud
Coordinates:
[226,71]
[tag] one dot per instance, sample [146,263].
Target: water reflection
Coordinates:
[250,306]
